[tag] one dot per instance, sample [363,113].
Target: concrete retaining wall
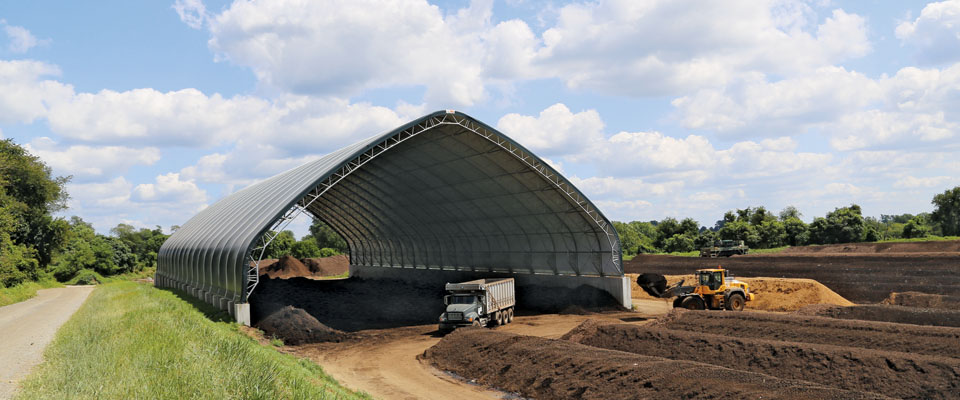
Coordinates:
[616,286]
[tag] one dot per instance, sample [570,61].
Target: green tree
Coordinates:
[29,194]
[741,230]
[946,213]
[281,245]
[915,228]
[86,249]
[789,212]
[305,248]
[842,225]
[648,235]
[327,237]
[772,234]
[679,243]
[629,238]
[797,233]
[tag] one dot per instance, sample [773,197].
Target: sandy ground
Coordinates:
[384,362]
[27,327]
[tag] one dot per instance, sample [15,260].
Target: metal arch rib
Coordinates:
[527,158]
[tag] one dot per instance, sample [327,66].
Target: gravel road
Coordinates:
[26,328]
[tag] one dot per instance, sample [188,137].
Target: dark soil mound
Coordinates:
[328,266]
[558,369]
[286,267]
[556,300]
[295,327]
[889,373]
[930,340]
[860,278]
[873,248]
[924,300]
[896,314]
[352,304]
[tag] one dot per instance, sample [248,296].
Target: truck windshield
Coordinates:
[463,300]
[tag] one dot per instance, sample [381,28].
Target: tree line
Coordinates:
[34,244]
[762,229]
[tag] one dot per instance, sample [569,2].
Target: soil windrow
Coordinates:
[890,373]
[930,340]
[559,369]
[890,313]
[860,278]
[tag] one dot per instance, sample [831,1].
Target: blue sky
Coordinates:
[653,108]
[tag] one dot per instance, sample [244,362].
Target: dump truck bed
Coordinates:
[498,292]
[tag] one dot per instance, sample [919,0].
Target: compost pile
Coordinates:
[328,266]
[923,300]
[861,273]
[295,326]
[890,313]
[290,267]
[772,294]
[892,373]
[560,369]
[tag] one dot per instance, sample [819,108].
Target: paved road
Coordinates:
[26,328]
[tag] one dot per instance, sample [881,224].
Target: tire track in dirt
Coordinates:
[560,369]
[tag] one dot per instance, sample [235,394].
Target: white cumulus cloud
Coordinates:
[935,34]
[90,162]
[169,188]
[21,40]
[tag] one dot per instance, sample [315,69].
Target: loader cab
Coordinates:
[710,278]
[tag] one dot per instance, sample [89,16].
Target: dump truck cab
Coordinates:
[715,289]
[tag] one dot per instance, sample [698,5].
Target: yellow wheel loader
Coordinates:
[714,289]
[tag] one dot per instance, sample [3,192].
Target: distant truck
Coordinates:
[724,248]
[480,302]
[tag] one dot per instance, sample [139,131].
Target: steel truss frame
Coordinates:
[450,118]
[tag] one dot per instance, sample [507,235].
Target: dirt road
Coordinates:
[384,362]
[27,327]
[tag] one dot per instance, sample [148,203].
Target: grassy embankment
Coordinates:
[131,340]
[25,291]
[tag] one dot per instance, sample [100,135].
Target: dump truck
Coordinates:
[481,302]
[714,289]
[724,248]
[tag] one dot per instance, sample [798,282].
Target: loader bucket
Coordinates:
[654,284]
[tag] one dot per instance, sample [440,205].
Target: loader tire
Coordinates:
[693,303]
[735,302]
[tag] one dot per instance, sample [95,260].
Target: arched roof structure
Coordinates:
[443,192]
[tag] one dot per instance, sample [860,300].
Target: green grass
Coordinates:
[25,291]
[923,239]
[770,250]
[133,341]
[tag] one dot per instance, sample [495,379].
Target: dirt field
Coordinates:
[890,313]
[861,273]
[385,364]
[772,294]
[929,340]
[560,369]
[380,336]
[891,373]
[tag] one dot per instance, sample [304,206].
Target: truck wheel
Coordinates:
[510,315]
[693,303]
[735,302]
[501,318]
[476,323]
[495,320]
